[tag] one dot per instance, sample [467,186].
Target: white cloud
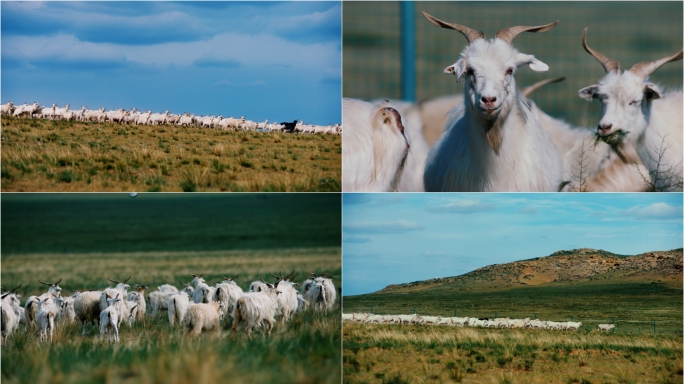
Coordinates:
[387,227]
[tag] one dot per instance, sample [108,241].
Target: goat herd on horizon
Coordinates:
[495,139]
[136,117]
[197,307]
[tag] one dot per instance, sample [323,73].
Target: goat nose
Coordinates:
[488,100]
[604,128]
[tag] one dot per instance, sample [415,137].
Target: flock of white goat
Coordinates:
[197,307]
[496,139]
[134,116]
[503,322]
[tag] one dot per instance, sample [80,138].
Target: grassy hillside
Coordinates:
[643,288]
[45,155]
[580,285]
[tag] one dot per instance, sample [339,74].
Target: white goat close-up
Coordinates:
[493,142]
[375,147]
[641,122]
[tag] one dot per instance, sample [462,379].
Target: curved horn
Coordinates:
[113,281]
[469,33]
[293,277]
[42,282]
[235,277]
[277,278]
[58,281]
[645,68]
[527,91]
[313,274]
[263,281]
[508,34]
[608,64]
[129,277]
[14,289]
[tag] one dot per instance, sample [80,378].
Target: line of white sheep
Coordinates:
[136,117]
[496,139]
[504,322]
[197,307]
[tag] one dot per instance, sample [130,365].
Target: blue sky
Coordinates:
[399,238]
[262,60]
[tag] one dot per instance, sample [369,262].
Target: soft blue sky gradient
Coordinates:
[400,238]
[262,60]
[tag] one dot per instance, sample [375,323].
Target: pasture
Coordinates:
[65,156]
[160,239]
[633,354]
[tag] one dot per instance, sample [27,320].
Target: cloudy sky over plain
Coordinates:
[263,60]
[400,238]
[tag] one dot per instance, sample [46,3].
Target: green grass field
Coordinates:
[416,354]
[633,304]
[46,155]
[83,238]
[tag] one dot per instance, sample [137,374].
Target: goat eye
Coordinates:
[469,72]
[635,102]
[509,71]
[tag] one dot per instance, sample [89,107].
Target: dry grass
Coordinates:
[447,354]
[43,155]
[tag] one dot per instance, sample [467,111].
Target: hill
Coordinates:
[575,265]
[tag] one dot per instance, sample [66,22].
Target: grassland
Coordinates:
[414,354]
[633,354]
[114,222]
[45,155]
[633,304]
[83,238]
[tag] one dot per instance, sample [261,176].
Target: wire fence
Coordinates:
[629,32]
[660,326]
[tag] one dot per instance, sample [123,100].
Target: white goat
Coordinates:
[639,121]
[492,142]
[32,303]
[47,313]
[601,169]
[375,147]
[255,308]
[12,298]
[122,290]
[322,294]
[8,108]
[141,305]
[203,317]
[109,319]
[227,293]
[9,322]
[66,309]
[87,307]
[178,306]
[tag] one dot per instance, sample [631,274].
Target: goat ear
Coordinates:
[587,93]
[530,60]
[651,91]
[457,69]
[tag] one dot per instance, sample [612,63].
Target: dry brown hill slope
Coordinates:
[561,266]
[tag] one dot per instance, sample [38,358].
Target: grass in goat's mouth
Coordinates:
[612,139]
